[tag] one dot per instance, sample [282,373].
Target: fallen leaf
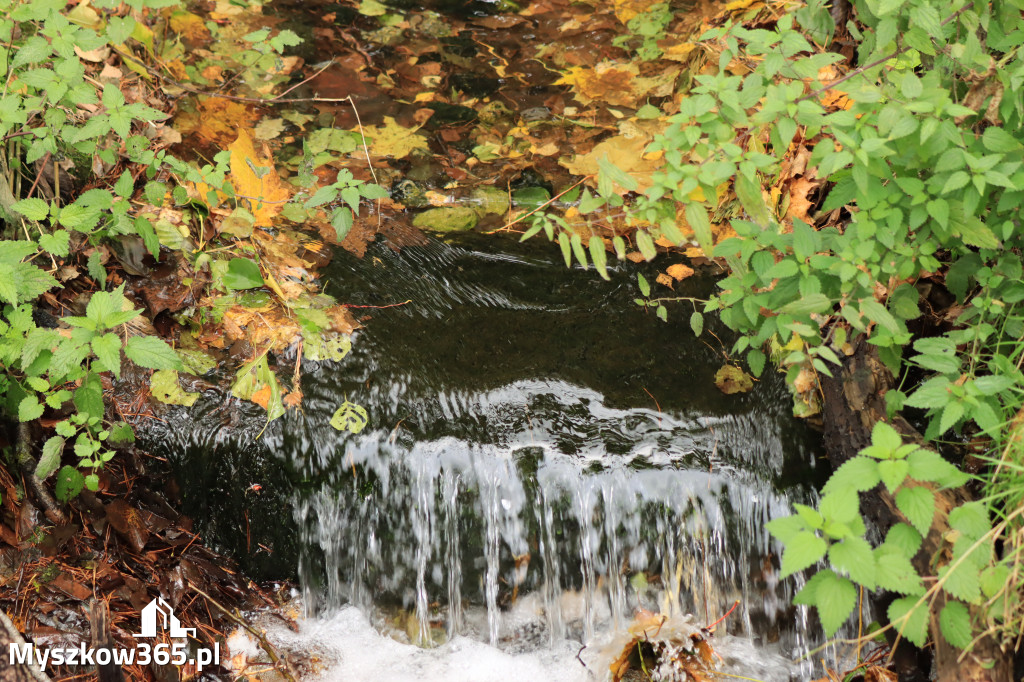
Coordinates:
[679,271]
[731,379]
[664,280]
[256,181]
[623,152]
[391,139]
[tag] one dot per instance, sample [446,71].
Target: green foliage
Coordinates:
[925,168]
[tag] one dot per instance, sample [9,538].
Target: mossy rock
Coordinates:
[490,200]
[447,219]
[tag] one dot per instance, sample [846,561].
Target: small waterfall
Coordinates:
[433,527]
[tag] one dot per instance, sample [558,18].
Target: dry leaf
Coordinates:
[256,181]
[679,271]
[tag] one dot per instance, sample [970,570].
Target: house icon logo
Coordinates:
[160,612]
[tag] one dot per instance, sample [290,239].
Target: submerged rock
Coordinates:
[447,219]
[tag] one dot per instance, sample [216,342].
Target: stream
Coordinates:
[543,460]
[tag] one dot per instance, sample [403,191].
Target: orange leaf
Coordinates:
[256,181]
[262,396]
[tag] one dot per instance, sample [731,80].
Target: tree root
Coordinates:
[28,468]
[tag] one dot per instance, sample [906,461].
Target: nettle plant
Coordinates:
[924,166]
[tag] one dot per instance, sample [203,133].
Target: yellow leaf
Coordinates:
[391,139]
[256,182]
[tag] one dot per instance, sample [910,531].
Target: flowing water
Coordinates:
[542,459]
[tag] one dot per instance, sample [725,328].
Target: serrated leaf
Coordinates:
[803,550]
[894,571]
[785,528]
[835,598]
[858,473]
[108,349]
[841,504]
[910,619]
[58,243]
[893,472]
[88,397]
[927,465]
[854,557]
[29,408]
[918,504]
[971,519]
[32,208]
[962,581]
[151,352]
[69,483]
[955,623]
[49,460]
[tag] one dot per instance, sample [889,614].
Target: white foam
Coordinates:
[354,650]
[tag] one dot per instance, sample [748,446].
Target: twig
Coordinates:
[28,467]
[280,663]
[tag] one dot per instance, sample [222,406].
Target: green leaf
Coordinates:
[840,505]
[918,504]
[926,465]
[697,323]
[749,194]
[854,557]
[599,256]
[108,349]
[58,243]
[149,351]
[894,570]
[885,437]
[616,175]
[697,217]
[835,598]
[563,243]
[858,473]
[32,208]
[971,519]
[29,408]
[893,472]
[785,528]
[349,417]
[955,623]
[88,397]
[646,245]
[164,386]
[963,581]
[645,287]
[877,313]
[755,359]
[803,550]
[69,483]
[910,619]
[242,273]
[50,459]
[577,248]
